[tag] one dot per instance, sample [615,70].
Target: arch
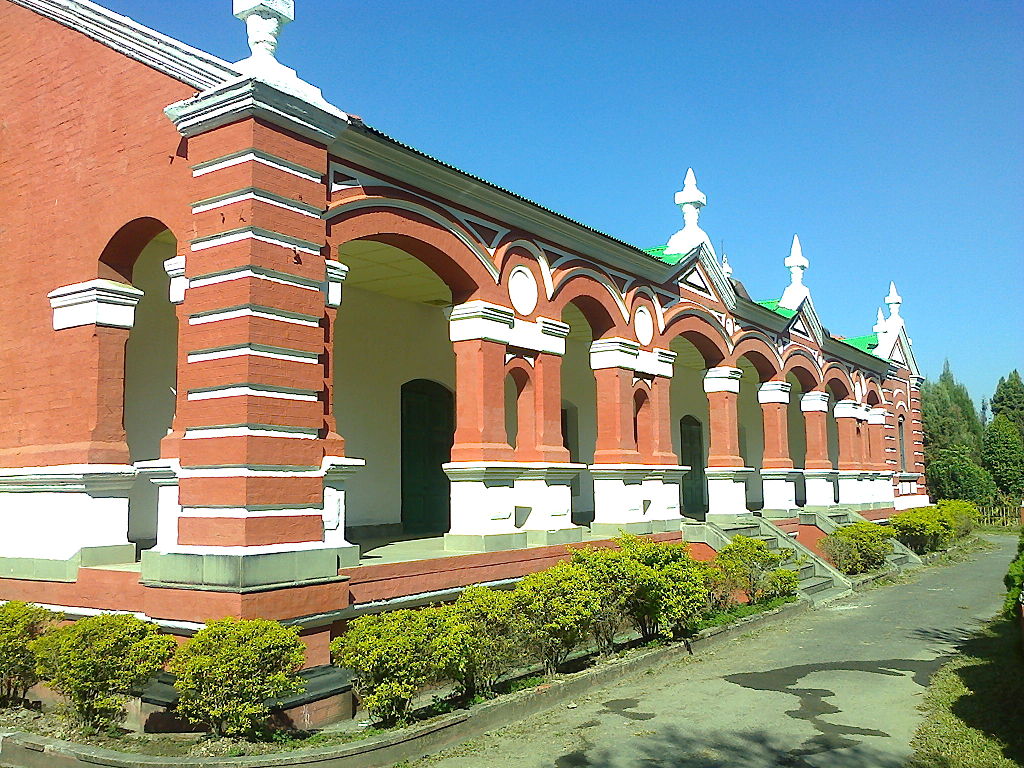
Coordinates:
[756,348]
[521,411]
[901,438]
[873,396]
[703,331]
[804,368]
[439,243]
[117,260]
[634,295]
[643,421]
[574,285]
[837,379]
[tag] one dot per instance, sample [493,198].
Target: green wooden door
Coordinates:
[428,428]
[691,454]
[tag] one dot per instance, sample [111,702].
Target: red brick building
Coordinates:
[243,332]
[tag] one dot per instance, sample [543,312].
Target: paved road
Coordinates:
[836,687]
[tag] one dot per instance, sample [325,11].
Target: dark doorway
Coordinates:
[428,428]
[691,454]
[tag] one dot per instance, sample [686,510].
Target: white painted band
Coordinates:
[243,391]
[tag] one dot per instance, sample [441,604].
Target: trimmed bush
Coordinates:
[558,606]
[962,515]
[480,639]
[781,582]
[618,580]
[393,658]
[923,529]
[653,554]
[858,548]
[228,671]
[20,624]
[749,561]
[97,661]
[686,596]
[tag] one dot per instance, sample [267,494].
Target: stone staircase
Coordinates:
[836,517]
[819,581]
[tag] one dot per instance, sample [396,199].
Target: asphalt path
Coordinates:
[836,687]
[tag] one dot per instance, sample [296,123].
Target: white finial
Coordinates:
[726,266]
[796,291]
[893,299]
[690,199]
[879,326]
[263,22]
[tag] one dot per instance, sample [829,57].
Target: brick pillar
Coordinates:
[547,389]
[814,406]
[615,441]
[659,450]
[480,402]
[774,399]
[722,386]
[847,415]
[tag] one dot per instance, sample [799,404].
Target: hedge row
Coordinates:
[859,547]
[1014,580]
[225,673]
[927,529]
[486,635]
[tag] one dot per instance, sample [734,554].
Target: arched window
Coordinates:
[903,448]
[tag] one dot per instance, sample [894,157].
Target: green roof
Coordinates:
[773,305]
[660,255]
[863,343]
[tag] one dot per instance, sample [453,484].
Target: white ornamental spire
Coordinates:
[726,266]
[264,20]
[894,300]
[796,292]
[690,200]
[879,326]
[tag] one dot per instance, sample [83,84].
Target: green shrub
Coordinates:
[97,661]
[923,529]
[480,639]
[1014,580]
[963,515]
[859,547]
[613,576]
[559,606]
[393,658]
[228,671]
[749,561]
[686,596]
[20,624]
[953,474]
[653,554]
[780,583]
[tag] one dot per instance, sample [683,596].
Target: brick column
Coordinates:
[820,477]
[726,475]
[881,484]
[480,402]
[778,480]
[660,450]
[848,414]
[547,389]
[615,443]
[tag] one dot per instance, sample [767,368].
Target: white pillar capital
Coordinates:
[722,379]
[175,269]
[814,401]
[95,302]
[877,415]
[774,392]
[847,409]
[336,274]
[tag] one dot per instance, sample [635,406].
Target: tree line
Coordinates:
[974,454]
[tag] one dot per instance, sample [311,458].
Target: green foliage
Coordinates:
[924,529]
[781,583]
[858,548]
[749,561]
[949,417]
[653,554]
[480,640]
[963,515]
[953,474]
[392,656]
[97,661]
[228,671]
[1002,453]
[1014,581]
[20,624]
[558,606]
[686,596]
[620,582]
[1008,400]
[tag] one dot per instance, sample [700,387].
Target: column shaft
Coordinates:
[615,440]
[480,402]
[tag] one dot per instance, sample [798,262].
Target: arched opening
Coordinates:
[690,413]
[751,428]
[394,372]
[428,427]
[797,435]
[520,410]
[150,371]
[579,393]
[901,438]
[643,425]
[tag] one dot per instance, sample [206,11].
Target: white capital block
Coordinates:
[636,493]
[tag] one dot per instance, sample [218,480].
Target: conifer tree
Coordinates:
[949,417]
[1002,453]
[1008,399]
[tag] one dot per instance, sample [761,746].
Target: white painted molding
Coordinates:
[774,392]
[95,302]
[492,322]
[814,401]
[522,290]
[877,415]
[122,34]
[722,379]
[643,325]
[175,269]
[847,409]
[336,274]
[67,478]
[617,352]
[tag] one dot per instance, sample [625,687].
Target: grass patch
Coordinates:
[974,706]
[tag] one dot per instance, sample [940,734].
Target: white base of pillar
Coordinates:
[911,502]
[727,491]
[779,488]
[638,498]
[820,485]
[51,513]
[851,487]
[337,470]
[506,506]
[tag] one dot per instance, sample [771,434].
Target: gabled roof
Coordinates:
[773,305]
[864,343]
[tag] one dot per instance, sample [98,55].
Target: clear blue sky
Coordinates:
[890,136]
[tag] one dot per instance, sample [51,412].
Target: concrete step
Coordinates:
[805,571]
[828,595]
[741,529]
[815,584]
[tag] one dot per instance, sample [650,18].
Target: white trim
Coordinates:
[722,379]
[250,234]
[246,391]
[249,472]
[774,392]
[203,433]
[253,195]
[242,513]
[248,350]
[94,302]
[264,312]
[254,157]
[254,273]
